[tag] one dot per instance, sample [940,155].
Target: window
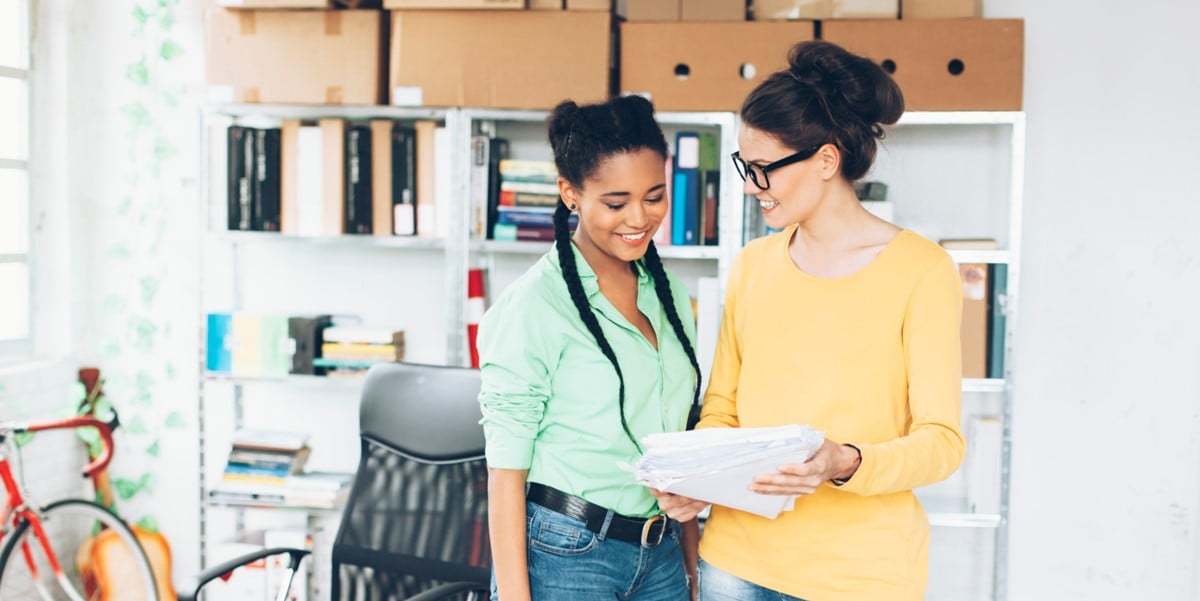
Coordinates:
[14,178]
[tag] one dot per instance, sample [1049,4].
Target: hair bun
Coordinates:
[849,85]
[560,123]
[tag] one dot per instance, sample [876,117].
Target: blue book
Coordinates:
[685,190]
[218,357]
[998,290]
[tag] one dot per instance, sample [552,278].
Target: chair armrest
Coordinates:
[189,590]
[450,588]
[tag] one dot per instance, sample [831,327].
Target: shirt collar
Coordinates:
[587,276]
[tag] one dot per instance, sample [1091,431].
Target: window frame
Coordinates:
[16,349]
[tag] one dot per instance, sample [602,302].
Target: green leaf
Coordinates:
[109,349]
[142,331]
[148,523]
[170,49]
[176,421]
[23,438]
[124,206]
[138,73]
[152,450]
[149,286]
[164,149]
[166,21]
[119,250]
[78,392]
[126,488]
[113,305]
[140,15]
[171,99]
[148,481]
[137,425]
[137,113]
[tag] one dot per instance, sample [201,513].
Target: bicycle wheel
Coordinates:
[98,553]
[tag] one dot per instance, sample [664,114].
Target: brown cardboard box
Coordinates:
[298,3]
[712,10]
[775,10]
[500,59]
[601,5]
[941,9]
[455,4]
[545,4]
[944,65]
[639,11]
[703,66]
[304,57]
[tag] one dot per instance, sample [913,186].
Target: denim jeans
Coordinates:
[569,562]
[718,585]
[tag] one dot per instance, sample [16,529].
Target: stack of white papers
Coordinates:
[718,465]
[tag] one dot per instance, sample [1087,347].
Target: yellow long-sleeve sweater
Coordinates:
[872,359]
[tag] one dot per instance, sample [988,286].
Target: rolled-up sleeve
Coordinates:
[515,371]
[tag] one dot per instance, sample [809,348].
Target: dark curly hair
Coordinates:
[827,95]
[582,137]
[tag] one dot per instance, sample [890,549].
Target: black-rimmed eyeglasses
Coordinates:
[758,173]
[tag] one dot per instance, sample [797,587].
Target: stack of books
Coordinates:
[351,350]
[266,468]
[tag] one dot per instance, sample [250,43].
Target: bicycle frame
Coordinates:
[16,510]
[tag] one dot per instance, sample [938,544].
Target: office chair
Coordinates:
[415,524]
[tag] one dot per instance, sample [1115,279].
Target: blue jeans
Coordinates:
[569,562]
[718,585]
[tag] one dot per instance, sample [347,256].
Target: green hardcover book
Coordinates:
[998,289]
[275,358]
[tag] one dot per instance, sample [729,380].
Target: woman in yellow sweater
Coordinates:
[842,321]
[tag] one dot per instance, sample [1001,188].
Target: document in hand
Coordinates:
[719,464]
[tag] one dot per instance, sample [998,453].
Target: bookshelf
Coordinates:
[951,174]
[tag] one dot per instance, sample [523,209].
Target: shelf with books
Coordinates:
[346,382]
[241,505]
[349,240]
[323,111]
[538,248]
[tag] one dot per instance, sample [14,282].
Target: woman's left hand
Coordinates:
[831,461]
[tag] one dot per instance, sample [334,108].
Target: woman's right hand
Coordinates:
[678,508]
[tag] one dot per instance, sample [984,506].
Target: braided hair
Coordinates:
[582,137]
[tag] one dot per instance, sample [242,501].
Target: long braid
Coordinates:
[566,259]
[663,288]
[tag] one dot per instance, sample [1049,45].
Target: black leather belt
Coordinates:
[647,532]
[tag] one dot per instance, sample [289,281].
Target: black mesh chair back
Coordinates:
[416,516]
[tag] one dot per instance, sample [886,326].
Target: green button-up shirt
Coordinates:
[549,396]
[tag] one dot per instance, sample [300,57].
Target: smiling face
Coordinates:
[620,206]
[795,191]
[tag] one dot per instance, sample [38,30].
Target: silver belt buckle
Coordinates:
[649,525]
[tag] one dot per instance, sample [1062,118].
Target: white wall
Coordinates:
[1106,473]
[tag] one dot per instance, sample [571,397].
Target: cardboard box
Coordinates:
[545,4]
[944,65]
[941,9]
[640,11]
[302,57]
[712,10]
[500,59]
[600,5]
[455,4]
[775,10]
[298,3]
[704,66]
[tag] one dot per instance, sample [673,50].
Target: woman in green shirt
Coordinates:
[585,354]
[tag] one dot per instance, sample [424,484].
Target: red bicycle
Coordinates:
[71,549]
